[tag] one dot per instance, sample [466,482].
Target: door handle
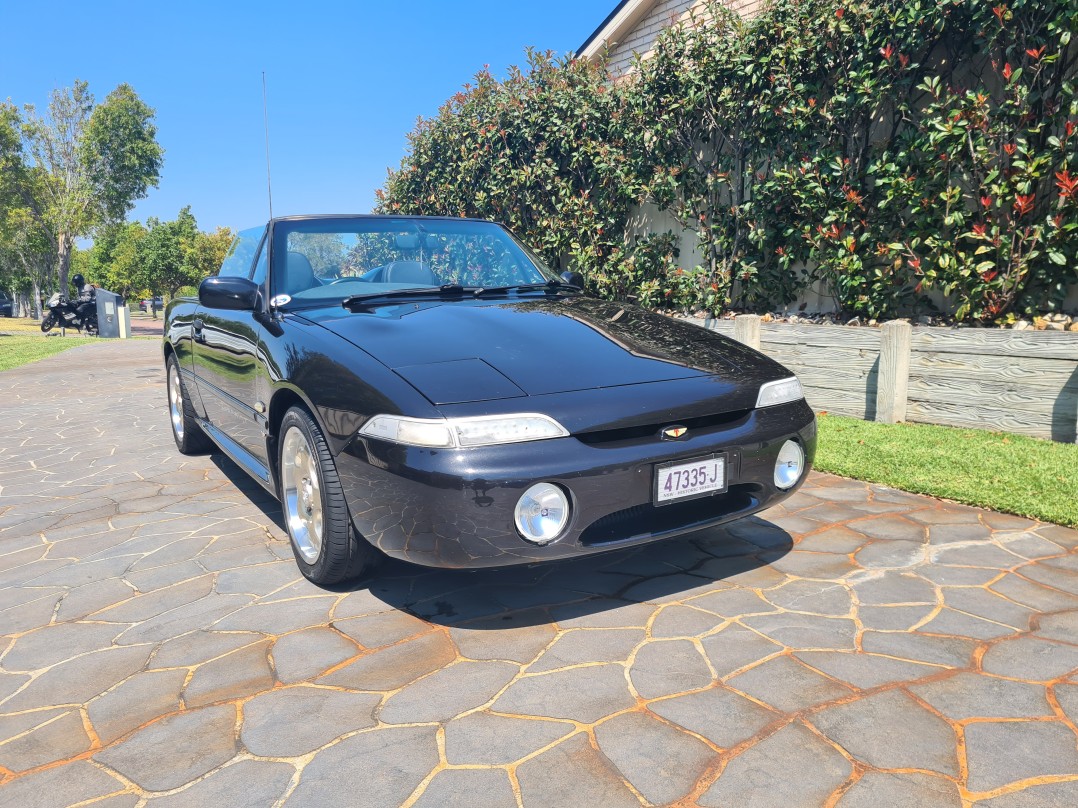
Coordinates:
[198,326]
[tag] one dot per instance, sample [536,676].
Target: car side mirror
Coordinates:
[236,294]
[573,279]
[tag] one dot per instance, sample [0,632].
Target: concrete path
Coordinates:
[859,647]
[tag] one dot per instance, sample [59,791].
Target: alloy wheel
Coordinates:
[175,401]
[301,489]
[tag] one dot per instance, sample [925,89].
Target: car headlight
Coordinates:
[448,433]
[780,392]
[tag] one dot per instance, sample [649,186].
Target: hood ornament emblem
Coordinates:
[674,432]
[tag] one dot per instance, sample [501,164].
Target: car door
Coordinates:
[226,360]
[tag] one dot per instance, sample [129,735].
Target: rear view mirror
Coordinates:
[233,293]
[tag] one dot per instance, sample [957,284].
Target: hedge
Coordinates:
[889,150]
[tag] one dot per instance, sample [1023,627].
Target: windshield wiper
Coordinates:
[446,290]
[455,290]
[550,287]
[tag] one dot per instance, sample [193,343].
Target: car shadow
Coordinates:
[517,596]
[249,487]
[520,596]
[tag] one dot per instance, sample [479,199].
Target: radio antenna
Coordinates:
[265,121]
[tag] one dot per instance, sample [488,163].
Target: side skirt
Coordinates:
[240,456]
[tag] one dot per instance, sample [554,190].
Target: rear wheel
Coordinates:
[326,548]
[190,439]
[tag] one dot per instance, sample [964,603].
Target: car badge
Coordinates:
[674,432]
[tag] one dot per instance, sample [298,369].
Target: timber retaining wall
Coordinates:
[1016,381]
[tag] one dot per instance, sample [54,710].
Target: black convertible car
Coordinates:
[427,387]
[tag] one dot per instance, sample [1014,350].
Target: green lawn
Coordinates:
[1004,472]
[21,348]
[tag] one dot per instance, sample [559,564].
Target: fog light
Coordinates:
[542,512]
[789,465]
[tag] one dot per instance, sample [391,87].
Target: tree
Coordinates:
[80,262]
[26,259]
[208,253]
[26,256]
[81,165]
[129,257]
[165,254]
[115,257]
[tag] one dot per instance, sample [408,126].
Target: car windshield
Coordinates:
[330,259]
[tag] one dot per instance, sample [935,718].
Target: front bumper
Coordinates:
[454,508]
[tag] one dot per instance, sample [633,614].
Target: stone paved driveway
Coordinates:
[858,647]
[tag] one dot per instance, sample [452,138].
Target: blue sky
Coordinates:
[346,82]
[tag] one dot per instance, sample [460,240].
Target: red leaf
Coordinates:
[1023,204]
[839,12]
[1066,183]
[888,51]
[1007,72]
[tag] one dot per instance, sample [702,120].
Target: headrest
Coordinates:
[299,265]
[298,274]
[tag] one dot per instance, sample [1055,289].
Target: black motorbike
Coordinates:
[62,313]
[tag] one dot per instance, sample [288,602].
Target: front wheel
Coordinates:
[48,322]
[326,548]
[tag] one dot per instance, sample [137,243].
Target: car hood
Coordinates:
[464,351]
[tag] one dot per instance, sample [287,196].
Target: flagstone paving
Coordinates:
[856,646]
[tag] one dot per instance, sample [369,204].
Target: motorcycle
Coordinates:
[64,314]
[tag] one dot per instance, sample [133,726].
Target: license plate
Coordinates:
[690,478]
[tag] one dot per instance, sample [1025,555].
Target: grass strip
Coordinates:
[21,349]
[996,470]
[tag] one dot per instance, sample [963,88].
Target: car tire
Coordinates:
[327,548]
[189,437]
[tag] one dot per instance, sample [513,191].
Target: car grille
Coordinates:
[610,437]
[644,521]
